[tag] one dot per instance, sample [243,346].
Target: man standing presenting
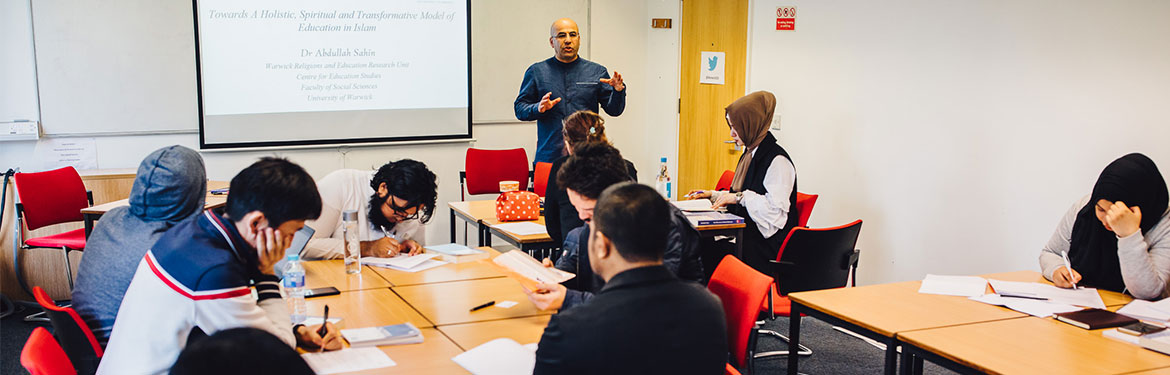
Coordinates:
[580,84]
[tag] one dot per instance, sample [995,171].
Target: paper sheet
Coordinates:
[965,286]
[506,304]
[453,249]
[1087,297]
[408,263]
[348,360]
[499,356]
[316,320]
[1144,310]
[524,228]
[1037,308]
[693,205]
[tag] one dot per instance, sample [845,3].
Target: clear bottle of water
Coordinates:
[294,287]
[662,182]
[353,249]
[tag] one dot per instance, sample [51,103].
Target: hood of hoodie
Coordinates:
[171,185]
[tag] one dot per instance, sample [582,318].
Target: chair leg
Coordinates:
[804,350]
[68,269]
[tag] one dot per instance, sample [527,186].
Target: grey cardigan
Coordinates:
[1144,259]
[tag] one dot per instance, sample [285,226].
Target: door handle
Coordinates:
[734,146]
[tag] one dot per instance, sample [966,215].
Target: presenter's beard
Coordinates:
[375,214]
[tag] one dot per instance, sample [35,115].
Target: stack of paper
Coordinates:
[347,360]
[499,356]
[527,270]
[694,205]
[964,286]
[1087,297]
[1158,312]
[403,262]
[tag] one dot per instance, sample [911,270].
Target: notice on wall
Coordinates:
[786,19]
[80,153]
[711,68]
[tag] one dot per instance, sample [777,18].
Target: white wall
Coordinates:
[621,40]
[18,85]
[961,131]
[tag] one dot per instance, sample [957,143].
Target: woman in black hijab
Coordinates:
[1117,237]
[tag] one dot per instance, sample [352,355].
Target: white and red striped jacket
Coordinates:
[196,277]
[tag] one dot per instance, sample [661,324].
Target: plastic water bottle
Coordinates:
[662,182]
[353,251]
[294,286]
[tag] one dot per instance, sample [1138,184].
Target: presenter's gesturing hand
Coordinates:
[616,81]
[546,104]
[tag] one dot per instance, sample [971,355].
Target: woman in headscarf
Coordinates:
[1117,237]
[764,187]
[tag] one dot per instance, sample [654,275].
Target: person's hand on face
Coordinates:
[1123,220]
[270,246]
[547,296]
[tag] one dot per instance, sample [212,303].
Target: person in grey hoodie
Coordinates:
[171,185]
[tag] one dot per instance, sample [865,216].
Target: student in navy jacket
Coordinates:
[196,280]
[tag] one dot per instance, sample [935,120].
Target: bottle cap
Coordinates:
[293,257]
[663,159]
[349,215]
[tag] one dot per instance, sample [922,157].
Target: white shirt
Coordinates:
[343,190]
[770,211]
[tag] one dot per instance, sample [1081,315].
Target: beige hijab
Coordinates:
[749,116]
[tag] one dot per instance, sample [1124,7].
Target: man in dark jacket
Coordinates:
[645,320]
[170,186]
[593,168]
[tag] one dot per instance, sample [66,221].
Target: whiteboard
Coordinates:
[128,66]
[18,80]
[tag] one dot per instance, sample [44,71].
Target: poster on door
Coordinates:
[711,68]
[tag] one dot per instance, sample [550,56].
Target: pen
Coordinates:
[1068,266]
[483,306]
[321,332]
[1022,296]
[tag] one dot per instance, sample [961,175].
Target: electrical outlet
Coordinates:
[19,131]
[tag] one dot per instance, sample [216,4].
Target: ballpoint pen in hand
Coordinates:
[1068,266]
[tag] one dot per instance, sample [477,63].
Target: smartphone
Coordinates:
[1140,328]
[321,292]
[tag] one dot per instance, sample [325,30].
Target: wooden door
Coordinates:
[719,26]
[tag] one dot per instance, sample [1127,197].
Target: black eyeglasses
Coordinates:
[401,212]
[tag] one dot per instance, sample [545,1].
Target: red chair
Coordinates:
[484,169]
[49,198]
[725,180]
[540,176]
[810,259]
[741,289]
[730,370]
[42,356]
[74,335]
[804,207]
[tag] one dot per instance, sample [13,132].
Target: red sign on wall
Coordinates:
[786,18]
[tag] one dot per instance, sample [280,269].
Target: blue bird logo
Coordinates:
[711,62]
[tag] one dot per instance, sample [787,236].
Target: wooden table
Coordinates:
[730,230]
[432,356]
[91,214]
[523,330]
[326,273]
[882,312]
[1027,346]
[367,308]
[472,214]
[483,213]
[448,303]
[479,269]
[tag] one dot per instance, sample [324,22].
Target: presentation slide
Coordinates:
[303,72]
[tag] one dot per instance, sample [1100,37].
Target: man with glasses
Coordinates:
[393,203]
[580,83]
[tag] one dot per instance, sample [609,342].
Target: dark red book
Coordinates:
[1095,319]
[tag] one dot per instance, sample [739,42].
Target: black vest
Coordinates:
[758,250]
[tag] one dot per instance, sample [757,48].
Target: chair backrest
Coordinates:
[51,197]
[730,370]
[540,177]
[725,180]
[742,290]
[815,259]
[804,206]
[486,168]
[42,356]
[75,337]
